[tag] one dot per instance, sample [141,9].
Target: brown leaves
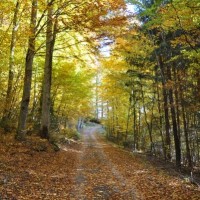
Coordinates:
[26,173]
[151,182]
[97,171]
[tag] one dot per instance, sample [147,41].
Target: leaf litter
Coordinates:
[91,169]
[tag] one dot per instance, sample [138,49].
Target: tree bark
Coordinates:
[174,122]
[166,109]
[28,75]
[128,116]
[149,124]
[185,127]
[46,90]
[135,133]
[161,123]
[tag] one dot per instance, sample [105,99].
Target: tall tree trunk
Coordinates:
[135,133]
[174,122]
[8,100]
[128,116]
[46,90]
[97,96]
[149,124]
[185,125]
[176,94]
[108,129]
[102,109]
[186,134]
[135,121]
[28,75]
[33,109]
[161,123]
[166,109]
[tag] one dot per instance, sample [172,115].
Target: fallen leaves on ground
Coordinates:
[93,169]
[28,173]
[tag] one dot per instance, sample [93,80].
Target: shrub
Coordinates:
[64,135]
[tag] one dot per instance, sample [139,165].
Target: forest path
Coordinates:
[106,172]
[97,177]
[92,169]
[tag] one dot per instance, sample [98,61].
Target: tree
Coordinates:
[28,74]
[46,101]
[8,100]
[83,23]
[166,96]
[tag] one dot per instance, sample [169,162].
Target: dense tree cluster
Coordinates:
[48,54]
[151,82]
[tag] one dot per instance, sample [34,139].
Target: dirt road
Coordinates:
[92,169]
[107,172]
[97,177]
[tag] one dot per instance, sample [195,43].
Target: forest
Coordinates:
[152,82]
[132,66]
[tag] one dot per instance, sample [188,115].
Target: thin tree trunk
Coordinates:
[97,96]
[174,123]
[161,124]
[149,124]
[166,109]
[102,110]
[135,130]
[135,134]
[46,91]
[127,123]
[128,117]
[108,130]
[139,128]
[176,94]
[33,110]
[186,134]
[185,128]
[28,75]
[7,105]
[113,119]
